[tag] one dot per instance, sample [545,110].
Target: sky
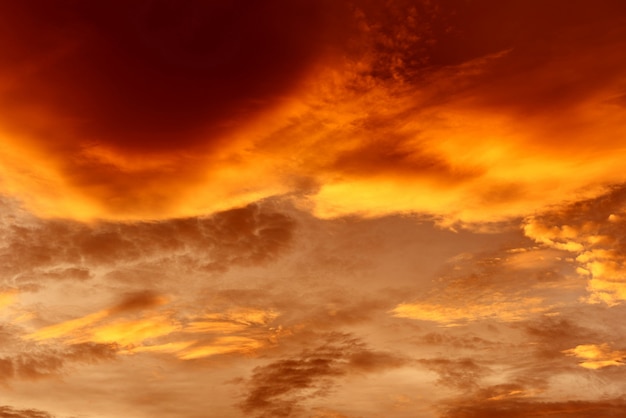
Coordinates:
[312,208]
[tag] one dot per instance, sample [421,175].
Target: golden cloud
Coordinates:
[597,356]
[500,309]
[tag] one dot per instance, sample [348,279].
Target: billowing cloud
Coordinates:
[166,118]
[144,323]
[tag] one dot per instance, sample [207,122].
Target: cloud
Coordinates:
[597,356]
[197,131]
[173,83]
[36,361]
[200,192]
[529,408]
[278,389]
[10,412]
[328,413]
[147,322]
[463,374]
[501,309]
[463,342]
[42,250]
[6,298]
[593,231]
[554,334]
[507,285]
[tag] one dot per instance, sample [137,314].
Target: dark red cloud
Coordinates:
[159,109]
[156,75]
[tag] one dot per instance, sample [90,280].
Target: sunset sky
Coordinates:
[312,208]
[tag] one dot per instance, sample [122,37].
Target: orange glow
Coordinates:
[68,328]
[446,315]
[597,356]
[312,208]
[128,332]
[222,345]
[6,299]
[602,267]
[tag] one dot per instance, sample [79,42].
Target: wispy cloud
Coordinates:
[277,389]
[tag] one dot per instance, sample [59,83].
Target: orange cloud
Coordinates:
[158,331]
[232,321]
[597,356]
[366,118]
[6,299]
[70,327]
[500,308]
[222,345]
[127,332]
[591,232]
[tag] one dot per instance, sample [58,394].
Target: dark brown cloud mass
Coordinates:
[250,235]
[611,408]
[277,389]
[156,75]
[10,412]
[41,362]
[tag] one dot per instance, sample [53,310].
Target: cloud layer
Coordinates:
[159,110]
[312,210]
